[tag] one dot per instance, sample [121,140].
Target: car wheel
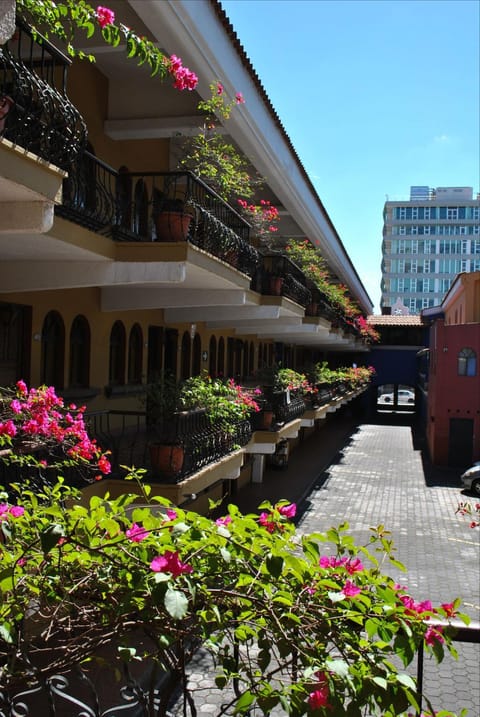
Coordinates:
[387,399]
[410,400]
[476,486]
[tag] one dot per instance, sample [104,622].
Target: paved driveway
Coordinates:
[379,477]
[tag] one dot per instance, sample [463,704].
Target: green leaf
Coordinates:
[274,565]
[339,667]
[5,634]
[50,536]
[225,554]
[407,681]
[244,702]
[381,682]
[176,604]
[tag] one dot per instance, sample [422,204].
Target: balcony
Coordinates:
[156,207]
[37,114]
[279,276]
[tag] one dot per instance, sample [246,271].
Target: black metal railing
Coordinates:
[190,442]
[37,114]
[462,633]
[171,452]
[286,405]
[156,206]
[279,276]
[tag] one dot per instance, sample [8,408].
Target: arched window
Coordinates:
[197,356]
[79,370]
[186,350]
[212,357]
[467,362]
[118,341]
[53,350]
[135,354]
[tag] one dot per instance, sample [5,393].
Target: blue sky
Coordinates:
[389,97]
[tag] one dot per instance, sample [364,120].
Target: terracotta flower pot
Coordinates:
[172,226]
[166,459]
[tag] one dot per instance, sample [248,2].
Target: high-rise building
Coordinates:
[427,241]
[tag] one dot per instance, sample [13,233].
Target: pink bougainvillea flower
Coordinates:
[136,533]
[21,386]
[350,589]
[267,521]
[224,521]
[170,562]
[3,509]
[16,511]
[104,16]
[104,465]
[219,88]
[318,698]
[288,511]
[239,99]
[8,428]
[449,609]
[171,514]
[433,635]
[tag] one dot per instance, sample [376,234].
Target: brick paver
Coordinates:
[375,474]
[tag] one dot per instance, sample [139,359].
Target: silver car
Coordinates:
[471,479]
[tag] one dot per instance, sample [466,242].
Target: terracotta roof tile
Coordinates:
[389,320]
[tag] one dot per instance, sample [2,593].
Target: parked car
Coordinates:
[471,479]
[403,396]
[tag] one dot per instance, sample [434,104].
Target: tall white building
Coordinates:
[427,241]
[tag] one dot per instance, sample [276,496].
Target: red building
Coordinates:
[453,408]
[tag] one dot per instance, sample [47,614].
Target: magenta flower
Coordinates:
[3,509]
[104,465]
[350,589]
[224,521]
[136,533]
[239,99]
[21,386]
[219,88]
[104,16]
[8,428]
[170,562]
[434,635]
[288,511]
[171,514]
[267,521]
[318,698]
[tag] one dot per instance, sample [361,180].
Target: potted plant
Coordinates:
[172,220]
[162,401]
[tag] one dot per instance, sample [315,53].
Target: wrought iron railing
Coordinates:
[187,442]
[156,206]
[286,405]
[279,276]
[190,442]
[37,114]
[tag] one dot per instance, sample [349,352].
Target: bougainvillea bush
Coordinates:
[309,623]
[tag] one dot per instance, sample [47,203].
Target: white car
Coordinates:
[403,396]
[471,479]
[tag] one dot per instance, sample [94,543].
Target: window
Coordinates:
[463,230]
[53,350]
[402,230]
[401,285]
[464,265]
[118,340]
[476,229]
[414,247]
[476,246]
[445,284]
[426,213]
[475,265]
[79,371]
[135,354]
[452,212]
[412,304]
[413,266]
[414,212]
[467,362]
[401,213]
[414,229]
[426,229]
[476,213]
